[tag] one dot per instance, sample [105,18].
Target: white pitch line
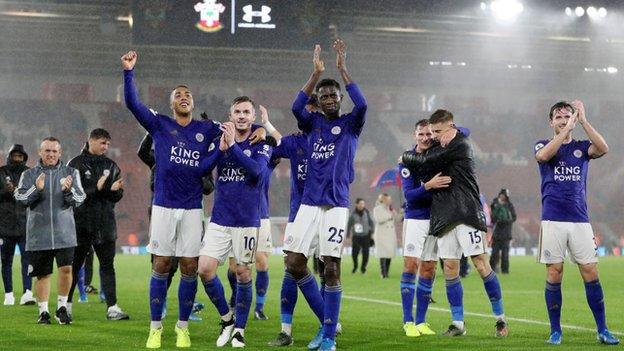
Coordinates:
[482,315]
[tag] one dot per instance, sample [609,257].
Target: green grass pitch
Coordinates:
[370,314]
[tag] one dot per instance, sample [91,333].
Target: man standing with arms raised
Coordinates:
[563,164]
[180,149]
[322,218]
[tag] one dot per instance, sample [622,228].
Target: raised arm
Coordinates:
[264,115]
[598,147]
[146,117]
[359,102]
[545,153]
[341,56]
[145,152]
[304,118]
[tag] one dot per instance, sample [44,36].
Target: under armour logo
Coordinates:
[250,14]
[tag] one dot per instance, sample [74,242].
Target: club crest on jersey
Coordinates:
[88,174]
[539,146]
[336,130]
[211,147]
[405,173]
[199,137]
[289,239]
[247,152]
[578,153]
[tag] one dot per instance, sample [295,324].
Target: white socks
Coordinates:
[43,307]
[287,328]
[61,302]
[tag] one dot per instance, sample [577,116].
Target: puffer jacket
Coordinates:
[12,214]
[459,203]
[50,212]
[95,218]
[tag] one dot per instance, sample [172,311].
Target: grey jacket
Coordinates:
[360,224]
[50,215]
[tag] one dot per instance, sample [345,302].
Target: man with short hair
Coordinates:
[235,220]
[95,220]
[182,158]
[322,218]
[13,226]
[563,164]
[360,228]
[457,218]
[420,250]
[51,191]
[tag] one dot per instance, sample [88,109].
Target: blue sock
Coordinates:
[158,294]
[311,292]
[288,298]
[81,282]
[232,279]
[244,295]
[408,286]
[186,296]
[214,290]
[322,282]
[553,305]
[493,290]
[262,285]
[595,299]
[423,297]
[455,296]
[333,294]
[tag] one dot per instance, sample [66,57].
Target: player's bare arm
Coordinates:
[319,68]
[341,57]
[599,146]
[264,116]
[129,60]
[551,149]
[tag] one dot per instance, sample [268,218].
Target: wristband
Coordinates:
[269,127]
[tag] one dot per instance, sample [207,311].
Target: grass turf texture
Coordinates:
[371,313]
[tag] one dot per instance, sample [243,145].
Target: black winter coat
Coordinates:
[12,214]
[459,203]
[95,219]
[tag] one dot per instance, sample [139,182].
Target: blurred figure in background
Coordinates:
[13,226]
[385,234]
[503,216]
[96,226]
[361,227]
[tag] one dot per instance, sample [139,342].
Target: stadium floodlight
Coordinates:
[483,6]
[612,70]
[592,12]
[579,11]
[568,11]
[506,10]
[602,12]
